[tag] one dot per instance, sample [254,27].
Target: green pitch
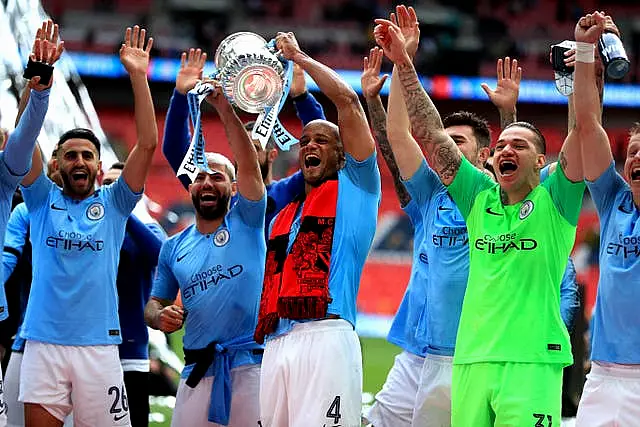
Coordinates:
[377,358]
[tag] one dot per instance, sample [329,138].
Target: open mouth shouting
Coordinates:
[507,167]
[635,173]
[208,198]
[311,161]
[80,177]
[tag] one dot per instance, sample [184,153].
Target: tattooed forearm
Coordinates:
[448,161]
[426,124]
[378,119]
[506,118]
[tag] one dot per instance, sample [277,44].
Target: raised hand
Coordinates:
[505,96]
[407,20]
[191,68]
[590,27]
[133,54]
[371,80]
[216,99]
[389,37]
[47,49]
[288,45]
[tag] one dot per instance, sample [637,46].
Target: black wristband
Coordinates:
[44,71]
[300,97]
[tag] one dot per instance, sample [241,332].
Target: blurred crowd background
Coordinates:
[458,38]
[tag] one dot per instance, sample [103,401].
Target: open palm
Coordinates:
[407,20]
[133,54]
[370,80]
[191,69]
[508,74]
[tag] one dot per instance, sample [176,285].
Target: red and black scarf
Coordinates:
[296,285]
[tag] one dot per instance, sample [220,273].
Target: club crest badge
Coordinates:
[221,238]
[95,211]
[526,209]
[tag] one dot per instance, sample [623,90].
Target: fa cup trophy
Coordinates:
[253,78]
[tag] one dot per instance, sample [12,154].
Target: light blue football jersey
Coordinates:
[76,247]
[408,330]
[616,324]
[219,276]
[356,216]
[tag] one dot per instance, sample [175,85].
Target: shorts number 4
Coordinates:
[334,410]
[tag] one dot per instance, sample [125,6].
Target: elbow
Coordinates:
[347,98]
[148,143]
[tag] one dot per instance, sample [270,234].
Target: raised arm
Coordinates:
[505,96]
[135,58]
[406,151]
[371,84]
[426,124]
[588,134]
[47,49]
[610,26]
[306,105]
[249,178]
[352,121]
[176,139]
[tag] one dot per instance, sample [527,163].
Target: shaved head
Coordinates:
[328,124]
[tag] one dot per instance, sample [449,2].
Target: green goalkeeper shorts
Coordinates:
[505,394]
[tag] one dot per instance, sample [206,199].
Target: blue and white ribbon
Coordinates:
[195,158]
[267,123]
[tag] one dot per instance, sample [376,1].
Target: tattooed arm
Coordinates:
[371,84]
[426,124]
[378,121]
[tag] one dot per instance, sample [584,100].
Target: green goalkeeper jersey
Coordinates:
[518,253]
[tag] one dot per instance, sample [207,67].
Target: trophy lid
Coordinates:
[237,42]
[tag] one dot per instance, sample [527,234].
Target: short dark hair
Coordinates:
[79,133]
[635,129]
[539,140]
[479,126]
[271,144]
[117,165]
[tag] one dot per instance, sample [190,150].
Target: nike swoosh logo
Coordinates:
[490,212]
[180,258]
[118,418]
[55,208]
[442,208]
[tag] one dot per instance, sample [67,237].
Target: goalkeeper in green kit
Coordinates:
[512,344]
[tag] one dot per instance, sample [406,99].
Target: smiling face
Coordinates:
[516,161]
[321,153]
[211,193]
[78,162]
[632,163]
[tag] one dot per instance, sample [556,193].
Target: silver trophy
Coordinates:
[250,73]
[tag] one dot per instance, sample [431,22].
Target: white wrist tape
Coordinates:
[585,52]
